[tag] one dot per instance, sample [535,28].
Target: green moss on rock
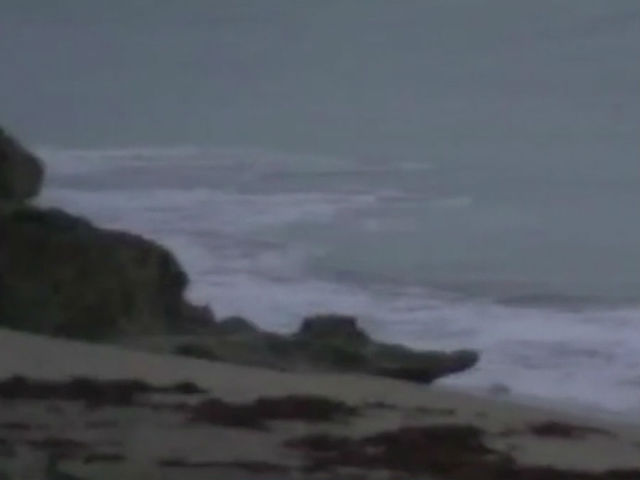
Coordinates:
[60,275]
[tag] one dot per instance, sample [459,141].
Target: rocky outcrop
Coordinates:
[417,366]
[338,341]
[21,172]
[61,275]
[235,326]
[327,342]
[332,328]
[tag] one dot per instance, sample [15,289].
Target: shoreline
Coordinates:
[52,371]
[535,439]
[551,404]
[554,406]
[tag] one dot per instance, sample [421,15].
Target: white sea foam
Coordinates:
[252,253]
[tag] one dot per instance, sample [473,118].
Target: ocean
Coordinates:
[457,174]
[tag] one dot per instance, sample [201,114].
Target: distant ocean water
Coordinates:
[456,174]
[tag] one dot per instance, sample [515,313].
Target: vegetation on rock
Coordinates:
[61,275]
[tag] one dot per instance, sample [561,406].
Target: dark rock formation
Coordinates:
[21,172]
[338,341]
[235,326]
[333,340]
[332,327]
[60,275]
[400,362]
[323,342]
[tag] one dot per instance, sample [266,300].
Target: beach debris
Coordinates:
[308,408]
[565,430]
[94,392]
[102,457]
[454,452]
[249,466]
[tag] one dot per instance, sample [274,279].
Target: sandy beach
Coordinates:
[175,433]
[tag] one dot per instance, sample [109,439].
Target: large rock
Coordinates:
[235,326]
[60,275]
[332,327]
[424,367]
[21,172]
[324,342]
[337,341]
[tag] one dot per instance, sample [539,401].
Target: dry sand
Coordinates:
[132,441]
